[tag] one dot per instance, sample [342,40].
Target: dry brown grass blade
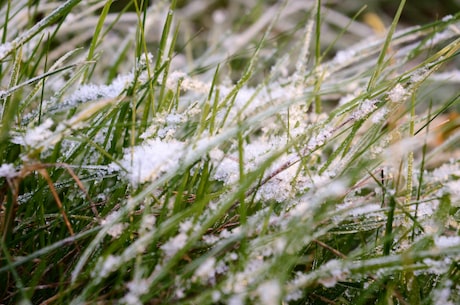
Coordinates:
[81,186]
[45,175]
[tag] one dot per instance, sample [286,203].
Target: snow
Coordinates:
[397,94]
[364,109]
[149,160]
[7,170]
[174,244]
[35,137]
[269,292]
[206,270]
[447,241]
[109,265]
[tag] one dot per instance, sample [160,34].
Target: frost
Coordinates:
[419,75]
[364,109]
[453,188]
[445,171]
[36,136]
[150,160]
[206,270]
[7,170]
[269,292]
[336,273]
[148,222]
[109,265]
[90,92]
[447,241]
[117,229]
[136,289]
[236,300]
[397,94]
[185,226]
[320,139]
[216,295]
[344,56]
[379,115]
[174,244]
[442,295]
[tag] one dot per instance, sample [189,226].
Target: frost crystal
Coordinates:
[148,161]
[36,136]
[110,264]
[174,244]
[453,188]
[397,94]
[344,56]
[206,270]
[365,108]
[117,229]
[379,115]
[320,139]
[7,170]
[447,241]
[269,292]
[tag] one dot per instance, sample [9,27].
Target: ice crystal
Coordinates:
[174,244]
[447,241]
[148,161]
[206,270]
[8,171]
[35,137]
[364,109]
[397,94]
[269,292]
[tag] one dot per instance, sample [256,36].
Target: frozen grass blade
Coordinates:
[230,168]
[385,47]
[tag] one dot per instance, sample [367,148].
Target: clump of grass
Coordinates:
[141,165]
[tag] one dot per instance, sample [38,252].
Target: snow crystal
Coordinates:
[216,295]
[442,295]
[269,292]
[174,244]
[419,75]
[447,241]
[320,139]
[443,172]
[148,222]
[344,56]
[236,300]
[336,272]
[90,92]
[138,287]
[397,94]
[206,270]
[379,115]
[117,229]
[365,108]
[110,264]
[233,256]
[146,162]
[36,136]
[7,170]
[227,171]
[185,226]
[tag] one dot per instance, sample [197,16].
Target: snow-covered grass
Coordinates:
[237,153]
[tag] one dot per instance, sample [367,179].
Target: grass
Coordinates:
[199,153]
